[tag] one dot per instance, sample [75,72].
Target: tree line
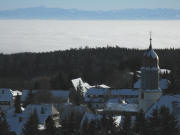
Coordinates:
[160,122]
[54,70]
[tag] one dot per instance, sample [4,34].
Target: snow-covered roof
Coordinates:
[60,93]
[96,91]
[137,85]
[113,100]
[16,92]
[78,81]
[162,71]
[117,120]
[25,94]
[103,86]
[121,107]
[166,100]
[66,109]
[49,110]
[94,100]
[6,94]
[16,125]
[151,53]
[13,121]
[85,85]
[116,101]
[125,92]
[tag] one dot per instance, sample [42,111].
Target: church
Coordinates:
[150,91]
[148,97]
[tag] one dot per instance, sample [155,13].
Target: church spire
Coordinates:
[150,46]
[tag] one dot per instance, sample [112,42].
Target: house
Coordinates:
[6,99]
[43,111]
[96,97]
[85,86]
[16,121]
[99,97]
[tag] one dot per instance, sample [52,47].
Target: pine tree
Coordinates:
[168,122]
[163,122]
[108,124]
[126,125]
[29,98]
[50,126]
[79,94]
[154,123]
[31,126]
[17,104]
[76,96]
[140,124]
[68,125]
[4,127]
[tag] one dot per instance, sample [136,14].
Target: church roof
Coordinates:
[152,53]
[151,58]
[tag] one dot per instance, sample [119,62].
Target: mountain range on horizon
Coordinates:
[76,14]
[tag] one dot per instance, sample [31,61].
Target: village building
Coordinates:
[7,97]
[17,121]
[146,95]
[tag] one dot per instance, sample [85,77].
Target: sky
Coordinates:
[90,4]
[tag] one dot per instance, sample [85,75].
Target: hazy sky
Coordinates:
[90,4]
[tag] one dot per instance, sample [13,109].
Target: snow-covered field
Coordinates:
[49,35]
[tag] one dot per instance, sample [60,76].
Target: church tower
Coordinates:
[150,91]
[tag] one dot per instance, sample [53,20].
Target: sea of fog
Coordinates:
[50,35]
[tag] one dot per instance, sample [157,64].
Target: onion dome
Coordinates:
[150,59]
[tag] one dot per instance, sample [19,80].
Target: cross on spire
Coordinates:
[150,34]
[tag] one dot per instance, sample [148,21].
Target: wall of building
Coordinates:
[148,98]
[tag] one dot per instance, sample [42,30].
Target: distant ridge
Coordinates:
[75,14]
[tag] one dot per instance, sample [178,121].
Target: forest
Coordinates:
[113,66]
